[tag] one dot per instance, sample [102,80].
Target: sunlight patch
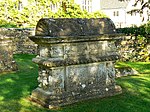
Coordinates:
[10,80]
[1,98]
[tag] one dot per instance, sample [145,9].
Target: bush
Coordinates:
[142,30]
[72,10]
[147,28]
[5,24]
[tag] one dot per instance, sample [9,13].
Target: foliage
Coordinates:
[142,30]
[15,89]
[141,67]
[5,24]
[141,42]
[72,10]
[147,28]
[144,6]
[29,15]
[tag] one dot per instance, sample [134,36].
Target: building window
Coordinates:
[87,5]
[116,13]
[55,7]
[20,6]
[133,13]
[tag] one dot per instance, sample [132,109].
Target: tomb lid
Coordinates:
[56,27]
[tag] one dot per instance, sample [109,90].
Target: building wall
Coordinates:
[118,16]
[126,19]
[133,19]
[95,4]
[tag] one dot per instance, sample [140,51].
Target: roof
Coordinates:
[113,4]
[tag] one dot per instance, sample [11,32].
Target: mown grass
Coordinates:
[15,89]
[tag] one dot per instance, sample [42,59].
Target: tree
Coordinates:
[144,5]
[28,15]
[72,10]
[37,9]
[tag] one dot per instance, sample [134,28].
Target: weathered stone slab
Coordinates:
[76,60]
[7,62]
[125,71]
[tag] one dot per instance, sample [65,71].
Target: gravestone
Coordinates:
[7,62]
[76,60]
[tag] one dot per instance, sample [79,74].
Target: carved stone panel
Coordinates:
[82,76]
[94,48]
[110,74]
[56,51]
[111,49]
[57,79]
[51,80]
[74,51]
[43,51]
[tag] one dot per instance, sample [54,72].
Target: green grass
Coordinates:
[16,87]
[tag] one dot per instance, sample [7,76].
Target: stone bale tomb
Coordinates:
[76,60]
[7,63]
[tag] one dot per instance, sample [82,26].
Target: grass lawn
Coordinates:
[16,87]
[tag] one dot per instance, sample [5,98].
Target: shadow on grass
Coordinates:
[135,98]
[15,89]
[141,67]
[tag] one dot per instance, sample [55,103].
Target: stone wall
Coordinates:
[133,48]
[21,42]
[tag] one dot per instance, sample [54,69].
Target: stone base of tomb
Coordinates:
[49,100]
[59,86]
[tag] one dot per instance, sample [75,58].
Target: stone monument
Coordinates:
[76,60]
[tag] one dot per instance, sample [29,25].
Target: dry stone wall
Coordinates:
[132,48]
[21,42]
